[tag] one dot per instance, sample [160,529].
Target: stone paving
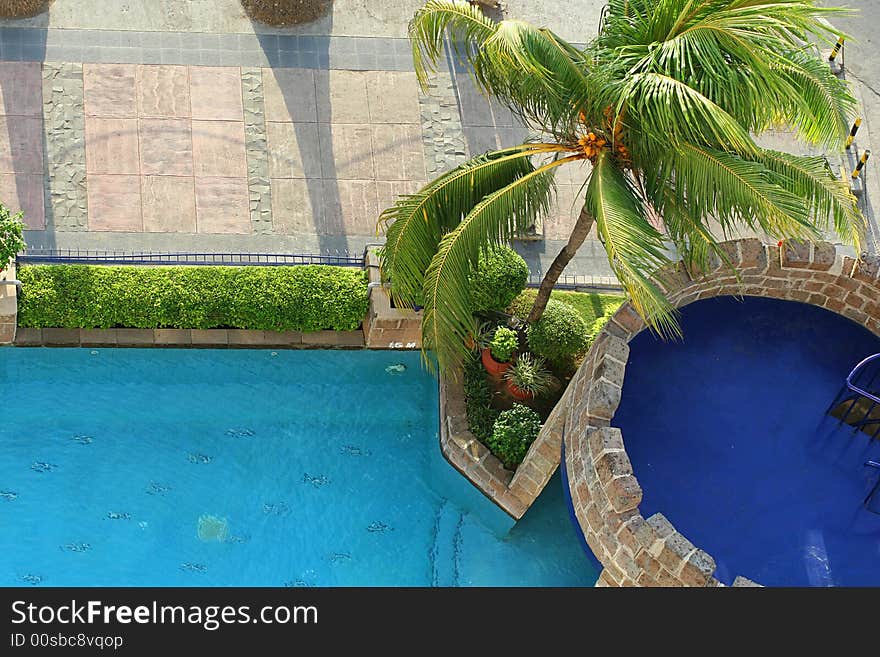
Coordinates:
[171,47]
[199,136]
[180,125]
[198,149]
[574,21]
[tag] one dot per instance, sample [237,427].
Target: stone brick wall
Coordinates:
[8,306]
[514,492]
[209,338]
[387,327]
[605,492]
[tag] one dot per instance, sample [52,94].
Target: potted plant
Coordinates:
[496,359]
[527,378]
[482,338]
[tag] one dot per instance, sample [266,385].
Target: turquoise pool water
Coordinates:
[155,467]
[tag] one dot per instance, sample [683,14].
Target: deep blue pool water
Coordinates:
[728,438]
[127,467]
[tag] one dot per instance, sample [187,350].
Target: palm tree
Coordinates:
[663,104]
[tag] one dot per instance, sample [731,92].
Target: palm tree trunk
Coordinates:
[579,233]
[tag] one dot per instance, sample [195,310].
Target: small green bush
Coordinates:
[503,344]
[302,298]
[11,240]
[500,276]
[521,306]
[560,334]
[514,432]
[481,415]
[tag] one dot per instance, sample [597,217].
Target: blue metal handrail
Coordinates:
[855,389]
[857,370]
[867,502]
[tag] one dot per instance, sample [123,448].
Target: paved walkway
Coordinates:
[364,53]
[574,20]
[183,126]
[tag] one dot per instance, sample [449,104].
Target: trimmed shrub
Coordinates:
[11,240]
[521,306]
[560,334]
[285,12]
[503,344]
[514,432]
[481,415]
[500,276]
[302,298]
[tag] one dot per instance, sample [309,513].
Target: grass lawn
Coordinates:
[593,307]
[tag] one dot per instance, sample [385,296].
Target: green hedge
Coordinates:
[301,298]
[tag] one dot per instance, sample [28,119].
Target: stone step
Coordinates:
[445,548]
[857,410]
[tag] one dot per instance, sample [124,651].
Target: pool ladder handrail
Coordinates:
[856,371]
[872,464]
[853,390]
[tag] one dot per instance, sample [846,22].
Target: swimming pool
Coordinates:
[164,467]
[728,436]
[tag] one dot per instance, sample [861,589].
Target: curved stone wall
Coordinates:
[605,493]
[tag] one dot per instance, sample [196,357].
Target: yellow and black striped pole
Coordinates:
[836,49]
[861,164]
[852,132]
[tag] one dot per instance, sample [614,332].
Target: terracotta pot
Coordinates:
[518,393]
[492,366]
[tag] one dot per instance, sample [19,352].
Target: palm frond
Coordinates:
[427,32]
[735,191]
[732,71]
[536,74]
[687,230]
[662,108]
[448,317]
[635,248]
[782,23]
[791,22]
[752,59]
[829,200]
[821,105]
[531,70]
[415,223]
